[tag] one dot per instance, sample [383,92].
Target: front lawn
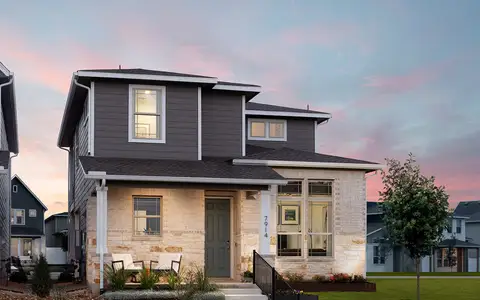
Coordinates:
[405,289]
[369,274]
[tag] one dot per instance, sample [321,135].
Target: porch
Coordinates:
[457,256]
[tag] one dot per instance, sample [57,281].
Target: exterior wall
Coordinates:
[54,225]
[473,232]
[221,124]
[300,135]
[49,231]
[371,267]
[111,123]
[459,236]
[349,225]
[23,199]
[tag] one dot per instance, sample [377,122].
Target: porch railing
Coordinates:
[269,281]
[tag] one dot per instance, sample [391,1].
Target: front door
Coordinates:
[217,237]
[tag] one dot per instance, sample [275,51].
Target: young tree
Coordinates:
[415,210]
[41,282]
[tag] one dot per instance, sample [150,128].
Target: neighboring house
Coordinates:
[8,145]
[27,221]
[56,238]
[464,253]
[470,209]
[169,162]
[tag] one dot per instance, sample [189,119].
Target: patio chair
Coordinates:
[167,262]
[126,262]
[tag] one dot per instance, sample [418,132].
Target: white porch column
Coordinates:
[266,218]
[19,247]
[102,200]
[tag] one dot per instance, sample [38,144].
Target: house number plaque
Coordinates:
[266,226]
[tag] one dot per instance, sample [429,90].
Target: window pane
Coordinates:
[292,189]
[147,226]
[289,245]
[320,188]
[257,129]
[319,217]
[319,245]
[276,130]
[145,101]
[147,207]
[146,127]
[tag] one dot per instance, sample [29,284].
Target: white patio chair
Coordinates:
[125,262]
[167,261]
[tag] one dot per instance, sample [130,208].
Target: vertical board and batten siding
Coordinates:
[23,199]
[111,124]
[300,135]
[221,124]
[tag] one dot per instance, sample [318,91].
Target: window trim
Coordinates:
[379,256]
[134,231]
[15,188]
[320,197]
[14,216]
[30,213]
[162,115]
[267,130]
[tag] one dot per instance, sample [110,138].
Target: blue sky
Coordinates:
[397,76]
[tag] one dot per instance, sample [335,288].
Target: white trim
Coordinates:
[267,130]
[288,114]
[239,88]
[103,175]
[375,231]
[91,117]
[4,70]
[243,126]
[30,191]
[163,117]
[146,77]
[307,164]
[199,125]
[15,188]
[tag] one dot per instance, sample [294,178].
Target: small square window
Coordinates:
[291,189]
[32,213]
[267,130]
[14,188]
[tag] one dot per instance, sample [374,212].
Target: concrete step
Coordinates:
[250,291]
[253,293]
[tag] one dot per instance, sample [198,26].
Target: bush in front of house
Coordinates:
[160,295]
[41,282]
[116,278]
[65,276]
[174,281]
[148,279]
[19,276]
[293,277]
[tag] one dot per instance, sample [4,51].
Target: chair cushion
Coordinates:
[127,261]
[165,261]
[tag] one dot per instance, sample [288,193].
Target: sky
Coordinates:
[397,76]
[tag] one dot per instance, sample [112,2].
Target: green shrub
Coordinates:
[19,276]
[174,280]
[41,282]
[197,281]
[148,279]
[116,278]
[358,278]
[341,277]
[294,277]
[248,274]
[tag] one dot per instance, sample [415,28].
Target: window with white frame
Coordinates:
[293,200]
[268,130]
[147,107]
[32,213]
[378,255]
[18,216]
[15,188]
[147,215]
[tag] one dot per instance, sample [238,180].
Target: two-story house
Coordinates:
[471,209]
[8,145]
[27,222]
[56,239]
[170,162]
[455,253]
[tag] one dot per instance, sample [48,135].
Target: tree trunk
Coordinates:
[417,262]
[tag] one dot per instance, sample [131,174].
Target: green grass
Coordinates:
[422,274]
[405,289]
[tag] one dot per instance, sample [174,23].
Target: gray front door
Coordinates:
[217,237]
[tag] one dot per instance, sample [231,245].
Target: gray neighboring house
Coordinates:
[465,252]
[8,146]
[56,238]
[169,162]
[27,222]
[470,209]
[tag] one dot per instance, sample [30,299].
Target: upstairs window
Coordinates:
[147,108]
[32,213]
[267,130]
[459,226]
[18,217]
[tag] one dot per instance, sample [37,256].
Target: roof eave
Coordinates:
[306,164]
[61,142]
[318,116]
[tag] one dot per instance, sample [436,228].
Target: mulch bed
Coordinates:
[18,291]
[83,294]
[313,286]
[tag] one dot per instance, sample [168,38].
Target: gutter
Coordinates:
[308,164]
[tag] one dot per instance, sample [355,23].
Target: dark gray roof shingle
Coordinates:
[269,107]
[218,168]
[4,159]
[138,71]
[288,154]
[468,209]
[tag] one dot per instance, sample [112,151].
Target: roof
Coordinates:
[8,106]
[269,107]
[139,71]
[217,171]
[59,215]
[237,84]
[469,209]
[4,159]
[30,191]
[22,230]
[268,110]
[457,243]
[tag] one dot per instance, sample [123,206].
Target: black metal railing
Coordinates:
[269,281]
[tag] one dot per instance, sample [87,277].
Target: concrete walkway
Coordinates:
[423,277]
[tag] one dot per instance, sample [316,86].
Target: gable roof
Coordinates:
[8,105]
[30,191]
[268,110]
[139,71]
[468,209]
[59,215]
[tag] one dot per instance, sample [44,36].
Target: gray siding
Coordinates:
[473,232]
[22,199]
[54,225]
[111,124]
[49,231]
[3,133]
[221,124]
[300,135]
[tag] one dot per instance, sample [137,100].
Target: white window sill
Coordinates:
[251,138]
[148,141]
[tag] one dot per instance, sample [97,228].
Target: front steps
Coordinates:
[241,291]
